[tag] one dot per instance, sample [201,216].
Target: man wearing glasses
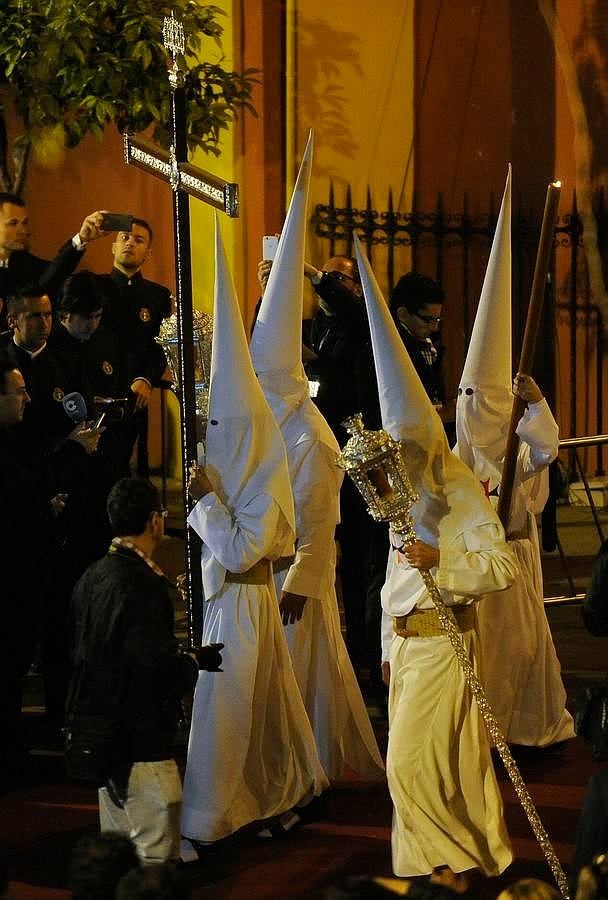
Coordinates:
[129,675]
[416,305]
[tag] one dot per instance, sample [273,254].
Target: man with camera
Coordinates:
[19,267]
[130,674]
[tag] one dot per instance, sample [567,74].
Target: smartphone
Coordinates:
[117,222]
[270,242]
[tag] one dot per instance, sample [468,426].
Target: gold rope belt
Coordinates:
[425,622]
[258,574]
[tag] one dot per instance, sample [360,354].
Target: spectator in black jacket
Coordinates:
[416,305]
[19,267]
[134,310]
[129,669]
[29,486]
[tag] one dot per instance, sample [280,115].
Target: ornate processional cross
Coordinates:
[184,179]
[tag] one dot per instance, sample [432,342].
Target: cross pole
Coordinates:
[172,166]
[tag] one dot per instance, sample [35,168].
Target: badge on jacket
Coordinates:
[57,394]
[107,367]
[144,314]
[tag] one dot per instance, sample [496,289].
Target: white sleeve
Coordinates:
[539,433]
[241,540]
[315,494]
[477,561]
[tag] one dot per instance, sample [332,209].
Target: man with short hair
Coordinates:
[134,312]
[79,330]
[19,267]
[49,374]
[135,309]
[416,305]
[128,668]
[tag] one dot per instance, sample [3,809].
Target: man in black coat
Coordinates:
[130,671]
[29,486]
[78,333]
[49,374]
[134,310]
[19,267]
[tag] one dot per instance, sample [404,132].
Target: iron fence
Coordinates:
[453,248]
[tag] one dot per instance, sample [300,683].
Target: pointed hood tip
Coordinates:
[275,345]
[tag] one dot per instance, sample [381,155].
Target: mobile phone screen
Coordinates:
[117,222]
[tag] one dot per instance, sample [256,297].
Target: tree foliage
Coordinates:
[71,67]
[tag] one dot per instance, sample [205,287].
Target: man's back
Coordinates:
[123,625]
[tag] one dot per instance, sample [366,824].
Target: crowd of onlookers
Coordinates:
[78,361]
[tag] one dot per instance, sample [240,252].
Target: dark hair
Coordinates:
[145,225]
[129,505]
[6,365]
[414,290]
[98,863]
[13,199]
[153,883]
[81,293]
[17,301]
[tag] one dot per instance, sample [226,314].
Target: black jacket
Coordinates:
[100,357]
[123,627]
[134,312]
[27,484]
[25,268]
[49,376]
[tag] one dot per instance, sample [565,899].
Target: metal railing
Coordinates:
[572,446]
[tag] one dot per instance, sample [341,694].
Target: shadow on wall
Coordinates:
[590,50]
[324,56]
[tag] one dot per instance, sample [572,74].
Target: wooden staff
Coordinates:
[526,359]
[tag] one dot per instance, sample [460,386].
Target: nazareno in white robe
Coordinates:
[252,753]
[322,667]
[519,666]
[447,803]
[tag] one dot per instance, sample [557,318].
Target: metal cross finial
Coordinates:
[173,37]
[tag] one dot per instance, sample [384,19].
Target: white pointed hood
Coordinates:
[451,499]
[276,343]
[485,399]
[245,454]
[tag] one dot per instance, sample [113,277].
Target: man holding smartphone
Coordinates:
[19,267]
[134,310]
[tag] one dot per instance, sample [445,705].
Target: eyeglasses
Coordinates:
[342,276]
[162,512]
[430,320]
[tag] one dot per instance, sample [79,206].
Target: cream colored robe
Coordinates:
[323,669]
[447,804]
[520,668]
[252,752]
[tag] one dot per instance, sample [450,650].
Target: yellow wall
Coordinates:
[350,77]
[226,166]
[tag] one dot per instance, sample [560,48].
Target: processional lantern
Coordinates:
[375,462]
[168,338]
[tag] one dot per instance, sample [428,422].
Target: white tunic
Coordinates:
[447,804]
[252,753]
[324,672]
[520,668]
